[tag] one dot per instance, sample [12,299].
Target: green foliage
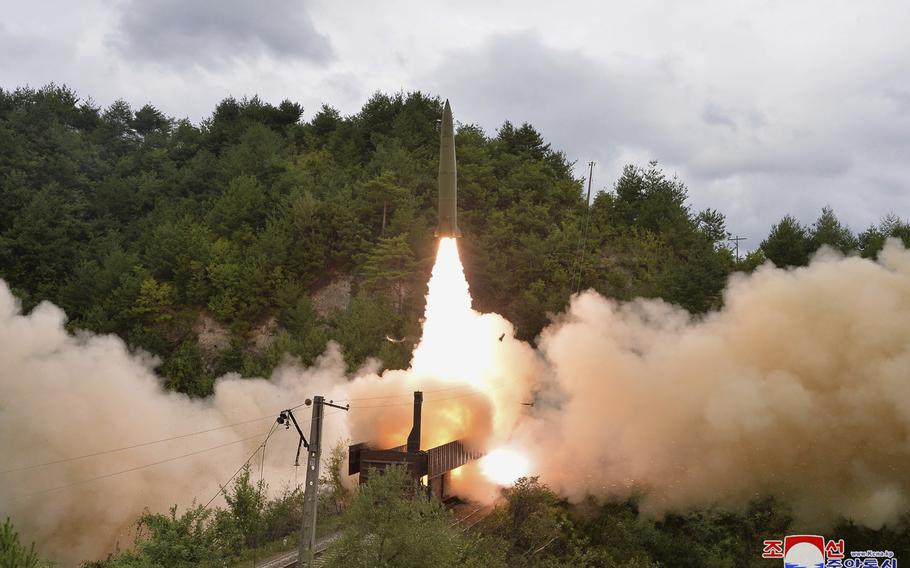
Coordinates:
[139,225]
[390,268]
[828,230]
[787,244]
[363,327]
[872,240]
[647,243]
[185,370]
[615,534]
[282,515]
[14,554]
[245,505]
[383,190]
[751,261]
[390,522]
[241,206]
[790,244]
[334,494]
[532,522]
[142,225]
[212,537]
[178,541]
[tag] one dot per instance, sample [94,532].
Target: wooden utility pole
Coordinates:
[590,180]
[307,550]
[736,240]
[584,230]
[311,486]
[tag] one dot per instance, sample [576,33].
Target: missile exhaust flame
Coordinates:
[504,466]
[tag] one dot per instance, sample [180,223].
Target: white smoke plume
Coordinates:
[797,388]
[63,396]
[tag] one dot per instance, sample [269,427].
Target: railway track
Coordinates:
[468,518]
[289,559]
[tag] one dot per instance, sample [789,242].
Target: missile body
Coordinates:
[448,200]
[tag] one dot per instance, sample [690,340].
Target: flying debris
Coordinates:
[448,201]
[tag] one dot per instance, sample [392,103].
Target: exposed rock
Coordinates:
[212,336]
[265,333]
[336,295]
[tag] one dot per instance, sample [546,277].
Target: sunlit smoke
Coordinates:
[504,466]
[63,397]
[799,387]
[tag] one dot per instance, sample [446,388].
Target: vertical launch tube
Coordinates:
[414,436]
[448,200]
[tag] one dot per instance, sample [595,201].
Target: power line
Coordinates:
[221,486]
[139,445]
[131,469]
[198,432]
[736,240]
[175,458]
[259,493]
[252,455]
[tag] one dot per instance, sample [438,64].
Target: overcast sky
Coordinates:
[762,108]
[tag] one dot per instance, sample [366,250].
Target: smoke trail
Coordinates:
[798,388]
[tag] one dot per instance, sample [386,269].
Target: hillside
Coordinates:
[228,245]
[221,246]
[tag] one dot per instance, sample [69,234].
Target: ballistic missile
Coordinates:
[448,201]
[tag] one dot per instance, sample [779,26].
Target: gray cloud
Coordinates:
[754,157]
[758,115]
[638,105]
[211,33]
[516,77]
[716,116]
[24,52]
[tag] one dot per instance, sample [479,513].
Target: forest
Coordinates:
[256,235]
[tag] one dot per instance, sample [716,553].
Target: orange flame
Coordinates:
[458,346]
[455,345]
[470,376]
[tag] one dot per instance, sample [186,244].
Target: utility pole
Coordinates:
[590,179]
[307,548]
[736,240]
[584,231]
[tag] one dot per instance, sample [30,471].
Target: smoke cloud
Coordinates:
[797,388]
[63,396]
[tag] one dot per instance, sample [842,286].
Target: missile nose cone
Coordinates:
[448,201]
[447,131]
